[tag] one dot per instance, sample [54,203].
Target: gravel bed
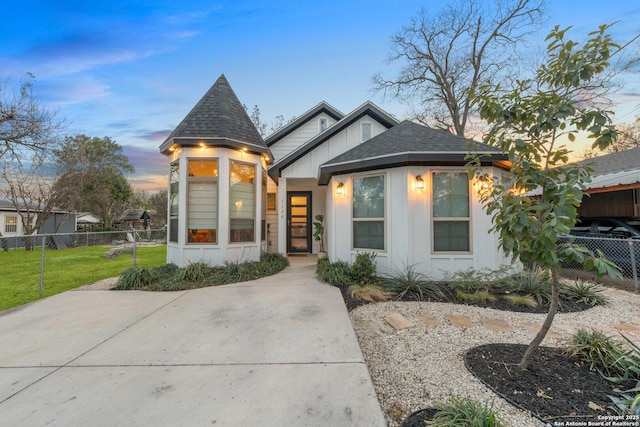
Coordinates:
[417,367]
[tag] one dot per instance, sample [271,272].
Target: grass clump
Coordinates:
[481,296]
[600,350]
[369,293]
[135,278]
[521,300]
[412,284]
[585,292]
[472,280]
[464,412]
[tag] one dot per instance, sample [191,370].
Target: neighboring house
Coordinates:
[12,228]
[396,189]
[140,219]
[615,185]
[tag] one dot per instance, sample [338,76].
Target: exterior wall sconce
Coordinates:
[419,183]
[340,189]
[483,183]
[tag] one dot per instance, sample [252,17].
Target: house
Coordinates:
[87,221]
[614,189]
[397,189]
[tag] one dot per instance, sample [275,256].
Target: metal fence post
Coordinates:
[135,241]
[44,238]
[634,267]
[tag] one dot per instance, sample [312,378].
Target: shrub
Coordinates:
[534,282]
[481,296]
[464,412]
[410,283]
[629,400]
[370,293]
[135,278]
[597,348]
[335,273]
[585,292]
[471,280]
[272,263]
[521,300]
[363,269]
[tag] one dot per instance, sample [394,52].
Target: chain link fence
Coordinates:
[624,252]
[114,242]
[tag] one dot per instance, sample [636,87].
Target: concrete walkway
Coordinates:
[279,351]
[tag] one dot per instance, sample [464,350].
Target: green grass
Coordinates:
[64,269]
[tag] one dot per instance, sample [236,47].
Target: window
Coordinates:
[263,218]
[366,131]
[242,202]
[451,212]
[174,179]
[202,201]
[271,201]
[368,212]
[11,224]
[323,124]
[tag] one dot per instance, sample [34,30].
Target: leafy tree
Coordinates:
[448,56]
[529,124]
[25,125]
[158,204]
[92,175]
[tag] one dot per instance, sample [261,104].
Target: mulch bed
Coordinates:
[556,387]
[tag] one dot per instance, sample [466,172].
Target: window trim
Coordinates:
[377,219]
[190,179]
[326,123]
[14,224]
[434,219]
[175,217]
[362,125]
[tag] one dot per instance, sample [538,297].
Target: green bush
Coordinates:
[363,269]
[534,282]
[585,292]
[600,350]
[410,283]
[272,263]
[135,278]
[464,412]
[472,280]
[629,400]
[335,273]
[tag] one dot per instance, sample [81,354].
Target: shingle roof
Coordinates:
[407,143]
[218,119]
[366,109]
[615,162]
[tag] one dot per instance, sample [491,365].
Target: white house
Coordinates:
[396,189]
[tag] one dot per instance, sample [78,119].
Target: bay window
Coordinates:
[242,202]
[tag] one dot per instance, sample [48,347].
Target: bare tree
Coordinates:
[25,125]
[447,57]
[628,137]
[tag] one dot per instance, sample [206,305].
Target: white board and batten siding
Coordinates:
[408,227]
[299,136]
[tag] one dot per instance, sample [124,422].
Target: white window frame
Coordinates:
[174,195]
[466,219]
[322,120]
[13,224]
[255,200]
[371,219]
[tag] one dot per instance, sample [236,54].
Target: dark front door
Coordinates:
[299,222]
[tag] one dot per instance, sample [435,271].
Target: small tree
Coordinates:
[318,233]
[530,125]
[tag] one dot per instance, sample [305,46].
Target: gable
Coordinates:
[300,135]
[342,136]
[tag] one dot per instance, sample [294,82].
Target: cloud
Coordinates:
[156,136]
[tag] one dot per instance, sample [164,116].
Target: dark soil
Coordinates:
[418,418]
[556,387]
[566,305]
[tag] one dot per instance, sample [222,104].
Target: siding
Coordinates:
[299,136]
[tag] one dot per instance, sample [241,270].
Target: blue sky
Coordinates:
[133,69]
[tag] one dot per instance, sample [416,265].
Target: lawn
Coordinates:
[64,269]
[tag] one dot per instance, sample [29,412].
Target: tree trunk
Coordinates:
[553,308]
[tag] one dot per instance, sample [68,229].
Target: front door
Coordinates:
[299,222]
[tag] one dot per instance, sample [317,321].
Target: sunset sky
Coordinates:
[131,70]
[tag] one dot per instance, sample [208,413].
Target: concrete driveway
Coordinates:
[278,351]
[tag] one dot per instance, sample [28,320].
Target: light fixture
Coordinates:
[419,182]
[483,183]
[202,147]
[340,189]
